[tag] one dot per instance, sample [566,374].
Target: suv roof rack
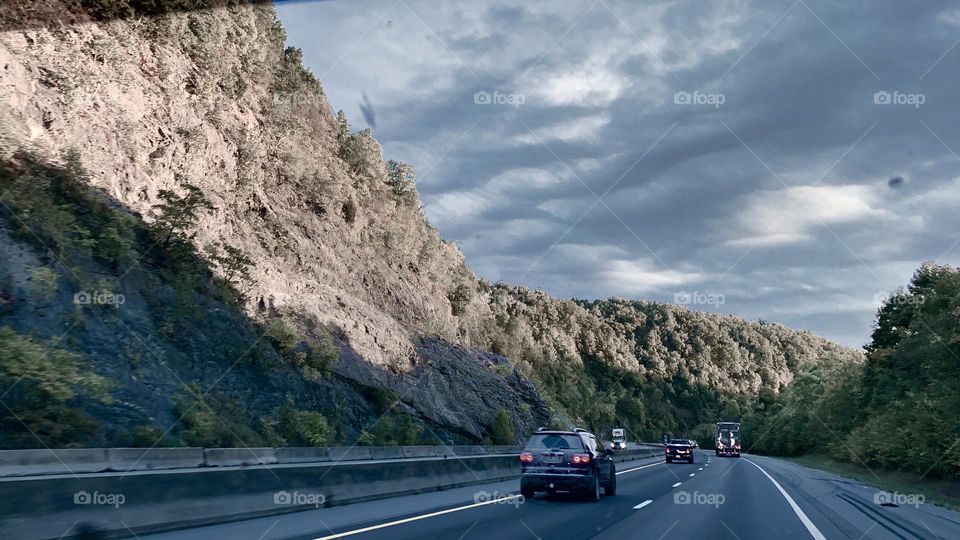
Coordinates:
[580,430]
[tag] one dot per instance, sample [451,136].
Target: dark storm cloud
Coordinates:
[783,197]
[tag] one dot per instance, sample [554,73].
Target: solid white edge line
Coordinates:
[811,528]
[677,484]
[447,511]
[641,505]
[415,518]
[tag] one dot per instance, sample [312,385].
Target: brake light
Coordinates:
[526,457]
[580,459]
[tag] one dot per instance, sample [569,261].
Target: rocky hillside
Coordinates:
[151,102]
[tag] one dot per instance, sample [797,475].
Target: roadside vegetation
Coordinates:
[898,411]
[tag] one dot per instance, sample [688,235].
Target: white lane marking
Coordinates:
[677,484]
[811,528]
[693,474]
[416,518]
[641,505]
[638,468]
[701,468]
[448,511]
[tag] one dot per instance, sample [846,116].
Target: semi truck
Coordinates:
[618,439]
[728,439]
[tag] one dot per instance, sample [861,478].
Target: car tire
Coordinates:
[526,490]
[669,460]
[593,495]
[611,489]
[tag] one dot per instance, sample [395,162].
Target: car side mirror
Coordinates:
[608,451]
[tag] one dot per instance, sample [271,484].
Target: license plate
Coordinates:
[552,459]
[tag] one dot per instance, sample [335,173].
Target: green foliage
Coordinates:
[901,410]
[210,420]
[43,284]
[175,216]
[459,297]
[40,382]
[392,430]
[292,77]
[401,177]
[302,428]
[283,336]
[315,356]
[502,430]
[232,261]
[361,152]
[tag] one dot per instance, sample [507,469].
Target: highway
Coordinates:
[717,498]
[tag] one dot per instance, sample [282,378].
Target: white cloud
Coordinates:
[584,86]
[641,276]
[791,215]
[584,128]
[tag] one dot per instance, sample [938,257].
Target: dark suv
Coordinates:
[679,450]
[572,461]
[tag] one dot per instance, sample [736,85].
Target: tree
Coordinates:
[174,216]
[401,177]
[459,298]
[731,411]
[232,261]
[41,385]
[502,431]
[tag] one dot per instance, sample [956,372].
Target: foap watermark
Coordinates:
[98,298]
[709,499]
[296,100]
[883,97]
[498,98]
[115,500]
[496,498]
[699,98]
[298,498]
[885,298]
[887,498]
[696,298]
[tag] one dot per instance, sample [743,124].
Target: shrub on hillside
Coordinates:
[40,383]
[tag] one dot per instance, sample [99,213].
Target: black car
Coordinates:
[678,450]
[570,461]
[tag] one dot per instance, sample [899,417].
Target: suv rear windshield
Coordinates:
[555,441]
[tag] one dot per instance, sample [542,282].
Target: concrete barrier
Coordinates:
[75,461]
[69,461]
[350,453]
[425,451]
[138,459]
[232,457]
[302,455]
[43,507]
[386,452]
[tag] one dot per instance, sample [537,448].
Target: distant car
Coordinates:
[678,450]
[567,461]
[618,445]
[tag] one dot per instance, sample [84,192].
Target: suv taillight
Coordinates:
[526,457]
[580,459]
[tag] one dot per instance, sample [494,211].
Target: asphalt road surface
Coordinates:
[715,498]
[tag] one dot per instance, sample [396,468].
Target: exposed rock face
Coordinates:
[210,97]
[207,97]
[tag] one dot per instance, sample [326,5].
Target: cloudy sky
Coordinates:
[793,161]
